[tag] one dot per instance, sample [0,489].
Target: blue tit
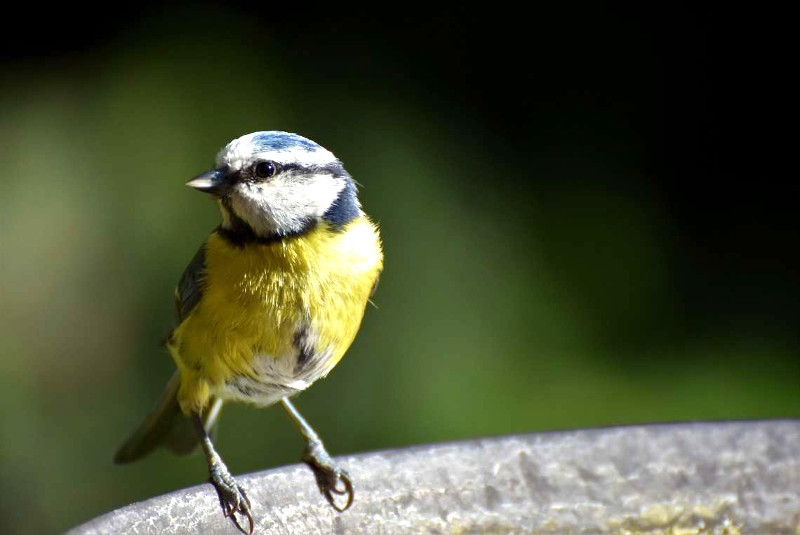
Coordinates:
[269,304]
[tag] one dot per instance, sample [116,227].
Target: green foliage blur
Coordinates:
[542,268]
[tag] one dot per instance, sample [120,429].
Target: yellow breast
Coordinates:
[258,298]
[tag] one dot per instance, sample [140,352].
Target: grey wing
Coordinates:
[190,288]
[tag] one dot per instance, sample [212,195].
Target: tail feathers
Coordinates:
[166,426]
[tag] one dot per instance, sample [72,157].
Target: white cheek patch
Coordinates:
[285,204]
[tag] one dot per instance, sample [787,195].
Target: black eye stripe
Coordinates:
[268,168]
[334,168]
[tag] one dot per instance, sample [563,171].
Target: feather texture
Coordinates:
[257,297]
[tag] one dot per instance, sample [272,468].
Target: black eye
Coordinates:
[265,169]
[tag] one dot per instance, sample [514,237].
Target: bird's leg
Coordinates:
[232,497]
[327,472]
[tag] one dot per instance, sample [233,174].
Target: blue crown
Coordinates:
[280,141]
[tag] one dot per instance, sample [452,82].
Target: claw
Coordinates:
[328,476]
[233,499]
[327,472]
[347,490]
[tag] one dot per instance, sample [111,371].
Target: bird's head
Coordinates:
[275,184]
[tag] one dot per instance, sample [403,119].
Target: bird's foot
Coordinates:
[232,496]
[331,479]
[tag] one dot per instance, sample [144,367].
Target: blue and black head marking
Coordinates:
[307,186]
[269,141]
[346,207]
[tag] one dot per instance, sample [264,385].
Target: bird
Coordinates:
[270,303]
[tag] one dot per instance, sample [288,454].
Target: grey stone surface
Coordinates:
[735,477]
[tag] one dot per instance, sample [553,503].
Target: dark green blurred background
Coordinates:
[580,227]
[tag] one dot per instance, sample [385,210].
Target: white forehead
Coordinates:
[282,147]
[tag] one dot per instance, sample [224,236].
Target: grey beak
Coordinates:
[213,182]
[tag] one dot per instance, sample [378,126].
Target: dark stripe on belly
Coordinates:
[304,352]
[245,389]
